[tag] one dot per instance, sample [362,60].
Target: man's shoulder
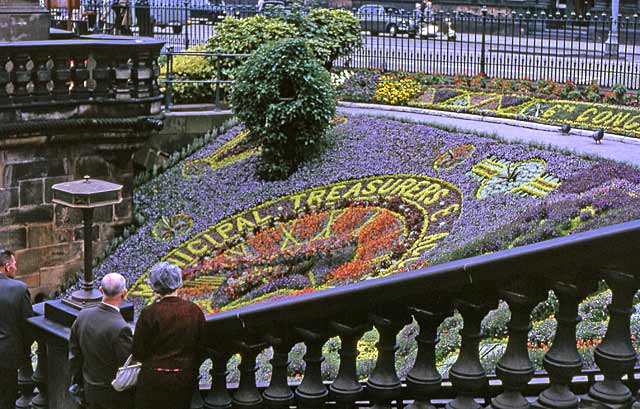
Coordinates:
[16,286]
[101,315]
[99,311]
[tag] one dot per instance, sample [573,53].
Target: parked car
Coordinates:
[378,19]
[431,29]
[212,11]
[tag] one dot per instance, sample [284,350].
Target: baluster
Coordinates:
[515,369]
[423,380]
[384,385]
[196,399]
[636,404]
[102,76]
[25,385]
[155,74]
[61,75]
[122,75]
[311,392]
[21,77]
[5,78]
[79,74]
[247,395]
[467,374]
[42,76]
[346,389]
[615,356]
[141,75]
[41,400]
[218,396]
[563,361]
[279,394]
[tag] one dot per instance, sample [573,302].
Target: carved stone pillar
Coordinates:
[122,76]
[41,76]
[25,385]
[41,400]
[218,396]
[563,361]
[346,389]
[79,76]
[141,75]
[22,66]
[61,75]
[279,394]
[384,385]
[515,369]
[102,75]
[196,399]
[467,375]
[423,380]
[312,393]
[615,356]
[247,396]
[5,78]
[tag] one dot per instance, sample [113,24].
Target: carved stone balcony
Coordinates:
[93,82]
[571,266]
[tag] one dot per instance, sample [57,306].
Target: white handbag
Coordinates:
[127,375]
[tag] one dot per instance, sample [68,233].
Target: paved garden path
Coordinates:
[616,147]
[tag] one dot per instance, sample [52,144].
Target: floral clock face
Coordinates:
[313,240]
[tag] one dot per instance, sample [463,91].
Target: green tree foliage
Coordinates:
[244,36]
[331,34]
[285,98]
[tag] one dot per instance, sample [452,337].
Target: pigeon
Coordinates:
[598,135]
[566,128]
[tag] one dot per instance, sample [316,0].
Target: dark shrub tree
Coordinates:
[285,98]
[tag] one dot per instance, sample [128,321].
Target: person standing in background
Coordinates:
[15,340]
[100,342]
[169,342]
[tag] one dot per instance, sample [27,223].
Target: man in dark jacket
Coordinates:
[15,308]
[100,343]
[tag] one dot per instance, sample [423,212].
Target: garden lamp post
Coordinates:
[87,195]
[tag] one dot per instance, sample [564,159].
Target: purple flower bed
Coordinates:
[590,193]
[360,87]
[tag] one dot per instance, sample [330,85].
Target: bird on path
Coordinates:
[598,135]
[566,128]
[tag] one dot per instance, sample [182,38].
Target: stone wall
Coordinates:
[47,238]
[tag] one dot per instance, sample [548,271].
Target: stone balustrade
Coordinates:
[92,77]
[572,267]
[522,277]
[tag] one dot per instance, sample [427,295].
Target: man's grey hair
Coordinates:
[5,257]
[113,284]
[165,277]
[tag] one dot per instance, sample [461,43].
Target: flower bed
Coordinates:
[385,197]
[508,101]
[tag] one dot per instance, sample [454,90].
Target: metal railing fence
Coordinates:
[516,46]
[170,77]
[540,46]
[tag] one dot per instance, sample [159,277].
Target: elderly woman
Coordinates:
[168,340]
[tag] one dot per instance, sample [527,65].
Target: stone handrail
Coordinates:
[571,266]
[91,77]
